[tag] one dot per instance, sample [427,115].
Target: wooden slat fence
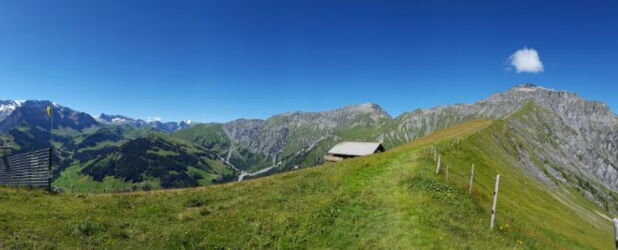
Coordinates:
[31,169]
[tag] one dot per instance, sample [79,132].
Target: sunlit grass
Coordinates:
[391,200]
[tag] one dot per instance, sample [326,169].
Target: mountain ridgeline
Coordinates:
[562,140]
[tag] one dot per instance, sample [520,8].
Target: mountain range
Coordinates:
[562,140]
[137,123]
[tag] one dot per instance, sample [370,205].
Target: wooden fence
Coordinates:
[31,169]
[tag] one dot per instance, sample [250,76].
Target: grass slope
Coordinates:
[391,200]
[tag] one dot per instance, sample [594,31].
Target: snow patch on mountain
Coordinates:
[119,120]
[7,108]
[10,105]
[137,123]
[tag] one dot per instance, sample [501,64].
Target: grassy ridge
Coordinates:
[391,200]
[553,216]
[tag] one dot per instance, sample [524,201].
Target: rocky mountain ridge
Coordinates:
[270,136]
[138,123]
[575,140]
[593,126]
[31,113]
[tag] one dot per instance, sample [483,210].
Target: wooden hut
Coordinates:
[346,150]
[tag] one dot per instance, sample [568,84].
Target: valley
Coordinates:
[308,125]
[388,200]
[575,141]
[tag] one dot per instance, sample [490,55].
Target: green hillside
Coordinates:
[212,137]
[391,200]
[147,162]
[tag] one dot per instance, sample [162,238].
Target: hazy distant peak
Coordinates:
[118,120]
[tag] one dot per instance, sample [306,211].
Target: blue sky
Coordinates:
[221,60]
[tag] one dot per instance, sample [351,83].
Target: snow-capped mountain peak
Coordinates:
[7,107]
[113,119]
[155,124]
[10,105]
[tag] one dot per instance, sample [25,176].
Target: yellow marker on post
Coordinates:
[48,110]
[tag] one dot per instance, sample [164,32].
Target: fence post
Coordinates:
[446,175]
[438,167]
[616,232]
[493,208]
[471,180]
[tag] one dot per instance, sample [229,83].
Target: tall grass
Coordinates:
[391,200]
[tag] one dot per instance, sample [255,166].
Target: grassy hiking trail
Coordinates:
[392,200]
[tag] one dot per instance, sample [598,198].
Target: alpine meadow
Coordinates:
[314,125]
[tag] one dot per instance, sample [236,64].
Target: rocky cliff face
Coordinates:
[558,154]
[300,131]
[576,141]
[587,131]
[32,114]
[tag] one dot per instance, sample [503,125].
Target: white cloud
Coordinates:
[153,119]
[526,61]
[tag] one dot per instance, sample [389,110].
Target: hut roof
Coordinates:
[356,148]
